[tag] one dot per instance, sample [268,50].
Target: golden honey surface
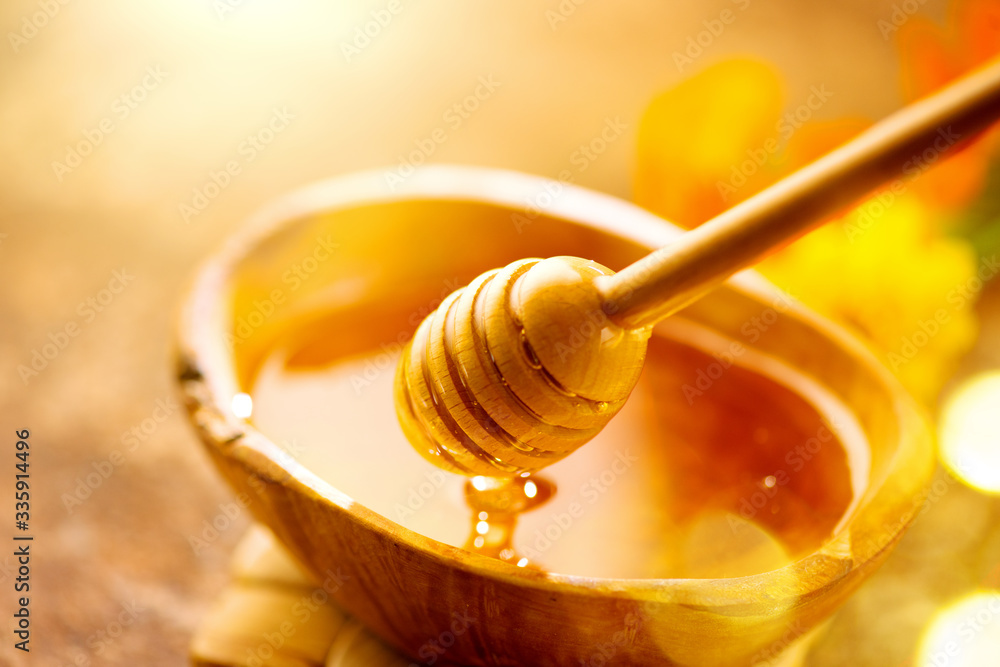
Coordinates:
[738,477]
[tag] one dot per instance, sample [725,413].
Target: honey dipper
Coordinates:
[530,361]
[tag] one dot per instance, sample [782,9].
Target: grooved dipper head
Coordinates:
[517,370]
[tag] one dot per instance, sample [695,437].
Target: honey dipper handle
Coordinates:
[672,277]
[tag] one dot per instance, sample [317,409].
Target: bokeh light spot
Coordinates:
[963,634]
[970,433]
[242,405]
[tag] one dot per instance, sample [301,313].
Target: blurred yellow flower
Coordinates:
[697,135]
[885,269]
[894,279]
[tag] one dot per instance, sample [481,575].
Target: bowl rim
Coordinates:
[207,376]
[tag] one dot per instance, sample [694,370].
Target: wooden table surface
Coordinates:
[117,123]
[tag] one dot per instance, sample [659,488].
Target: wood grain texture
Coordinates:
[517,370]
[250,624]
[411,590]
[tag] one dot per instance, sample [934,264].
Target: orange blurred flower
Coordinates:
[698,136]
[930,57]
[723,135]
[895,280]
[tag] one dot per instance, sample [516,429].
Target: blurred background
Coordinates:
[137,136]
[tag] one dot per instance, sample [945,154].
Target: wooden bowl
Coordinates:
[395,244]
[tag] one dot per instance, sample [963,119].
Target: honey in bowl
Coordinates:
[754,469]
[759,472]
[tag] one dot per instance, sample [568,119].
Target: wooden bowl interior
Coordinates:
[390,253]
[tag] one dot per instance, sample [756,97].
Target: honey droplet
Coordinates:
[496,503]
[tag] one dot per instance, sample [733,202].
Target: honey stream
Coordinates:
[496,504]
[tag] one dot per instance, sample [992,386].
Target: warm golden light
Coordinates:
[964,634]
[970,433]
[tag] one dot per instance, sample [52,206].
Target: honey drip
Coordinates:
[496,504]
